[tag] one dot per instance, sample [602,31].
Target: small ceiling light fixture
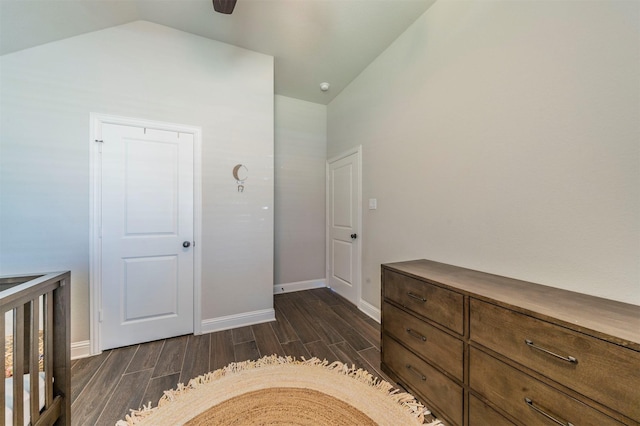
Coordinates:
[224,6]
[324,86]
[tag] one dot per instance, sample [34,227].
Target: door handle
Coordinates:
[354,236]
[186,244]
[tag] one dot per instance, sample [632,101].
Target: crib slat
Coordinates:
[48,348]
[18,365]
[34,355]
[62,345]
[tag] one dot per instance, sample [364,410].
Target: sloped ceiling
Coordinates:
[312,40]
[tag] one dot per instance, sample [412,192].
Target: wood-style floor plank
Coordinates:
[348,333]
[282,327]
[128,394]
[242,334]
[298,320]
[307,305]
[309,323]
[246,351]
[196,359]
[296,349]
[83,370]
[320,350]
[86,409]
[157,386]
[221,350]
[348,355]
[372,358]
[146,356]
[266,340]
[372,334]
[171,357]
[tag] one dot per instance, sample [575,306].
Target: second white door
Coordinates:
[147,235]
[343,215]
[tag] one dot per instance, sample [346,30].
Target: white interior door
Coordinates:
[343,251]
[147,235]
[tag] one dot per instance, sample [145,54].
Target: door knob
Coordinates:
[354,236]
[186,244]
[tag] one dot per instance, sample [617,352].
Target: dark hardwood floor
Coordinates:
[308,323]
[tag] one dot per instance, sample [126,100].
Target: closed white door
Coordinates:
[343,251]
[147,235]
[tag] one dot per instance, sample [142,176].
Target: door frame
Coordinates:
[358,243]
[97,120]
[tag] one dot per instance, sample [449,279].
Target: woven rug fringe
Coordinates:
[403,399]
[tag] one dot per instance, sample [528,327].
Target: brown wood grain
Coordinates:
[266,340]
[505,332]
[500,315]
[481,414]
[88,372]
[432,344]
[246,351]
[606,319]
[221,349]
[430,301]
[146,356]
[444,396]
[156,387]
[195,362]
[298,320]
[308,305]
[508,387]
[127,395]
[171,357]
[89,405]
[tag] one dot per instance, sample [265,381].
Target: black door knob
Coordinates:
[186,244]
[354,236]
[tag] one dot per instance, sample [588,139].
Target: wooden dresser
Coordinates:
[480,349]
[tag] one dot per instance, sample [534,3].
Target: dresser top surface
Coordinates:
[607,319]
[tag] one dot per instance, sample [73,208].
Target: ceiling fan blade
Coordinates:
[224,6]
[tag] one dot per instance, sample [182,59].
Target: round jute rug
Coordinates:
[283,391]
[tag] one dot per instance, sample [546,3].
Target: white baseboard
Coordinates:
[239,320]
[370,310]
[80,349]
[298,286]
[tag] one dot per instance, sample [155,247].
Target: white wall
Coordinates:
[300,158]
[504,136]
[148,71]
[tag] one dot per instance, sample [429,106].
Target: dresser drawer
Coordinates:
[426,381]
[432,344]
[525,398]
[436,303]
[602,371]
[481,414]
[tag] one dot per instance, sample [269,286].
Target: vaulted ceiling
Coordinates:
[313,41]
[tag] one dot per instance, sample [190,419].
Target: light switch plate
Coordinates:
[373,203]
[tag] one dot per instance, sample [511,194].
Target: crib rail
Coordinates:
[21,295]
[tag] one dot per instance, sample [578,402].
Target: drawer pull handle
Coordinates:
[416,373]
[529,402]
[417,335]
[415,296]
[564,358]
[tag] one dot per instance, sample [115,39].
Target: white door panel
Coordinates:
[343,219]
[141,274]
[147,203]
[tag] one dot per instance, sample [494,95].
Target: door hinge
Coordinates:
[100,315]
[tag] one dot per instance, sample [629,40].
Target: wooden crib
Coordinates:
[40,348]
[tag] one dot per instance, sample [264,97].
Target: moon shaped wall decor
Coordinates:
[240,174]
